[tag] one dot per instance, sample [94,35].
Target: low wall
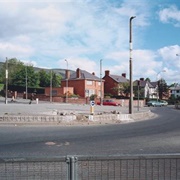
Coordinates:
[68,119]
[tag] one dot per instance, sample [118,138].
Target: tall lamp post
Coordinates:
[101,82]
[51,85]
[6,81]
[130,65]
[26,83]
[66,81]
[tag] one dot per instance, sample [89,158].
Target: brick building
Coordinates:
[112,81]
[84,83]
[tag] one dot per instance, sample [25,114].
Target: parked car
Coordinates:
[164,103]
[109,102]
[154,103]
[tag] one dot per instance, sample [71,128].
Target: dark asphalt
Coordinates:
[154,136]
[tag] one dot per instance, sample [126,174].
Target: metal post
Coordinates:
[101,97]
[72,168]
[6,96]
[130,66]
[138,94]
[51,86]
[26,83]
[66,81]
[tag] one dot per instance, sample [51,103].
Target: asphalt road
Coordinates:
[154,136]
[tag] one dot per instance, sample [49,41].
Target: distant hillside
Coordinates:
[57,71]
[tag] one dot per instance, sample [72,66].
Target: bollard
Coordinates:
[37,100]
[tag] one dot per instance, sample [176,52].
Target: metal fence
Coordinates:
[139,167]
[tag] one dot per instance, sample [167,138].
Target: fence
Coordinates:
[139,167]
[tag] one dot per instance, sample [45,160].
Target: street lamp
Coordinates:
[51,85]
[6,81]
[26,83]
[66,81]
[101,97]
[130,65]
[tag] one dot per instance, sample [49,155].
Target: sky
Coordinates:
[87,32]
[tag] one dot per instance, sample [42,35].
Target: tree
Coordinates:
[148,79]
[14,66]
[122,88]
[23,73]
[44,78]
[162,88]
[56,80]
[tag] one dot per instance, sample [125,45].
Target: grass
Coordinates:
[1,86]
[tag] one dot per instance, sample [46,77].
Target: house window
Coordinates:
[177,91]
[89,82]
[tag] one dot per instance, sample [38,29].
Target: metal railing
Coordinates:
[123,167]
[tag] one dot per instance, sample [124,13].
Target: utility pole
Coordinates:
[51,87]
[101,97]
[66,81]
[130,66]
[6,96]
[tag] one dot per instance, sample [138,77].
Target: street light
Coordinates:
[130,65]
[66,81]
[51,85]
[101,97]
[6,81]
[26,83]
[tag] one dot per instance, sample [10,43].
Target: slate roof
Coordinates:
[175,88]
[119,79]
[154,84]
[84,75]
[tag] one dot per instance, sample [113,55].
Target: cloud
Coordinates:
[170,15]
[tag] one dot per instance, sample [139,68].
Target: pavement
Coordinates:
[21,111]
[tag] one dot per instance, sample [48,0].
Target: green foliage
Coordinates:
[162,87]
[122,88]
[93,97]
[44,79]
[19,74]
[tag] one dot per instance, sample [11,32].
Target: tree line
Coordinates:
[21,74]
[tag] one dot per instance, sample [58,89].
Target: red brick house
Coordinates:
[84,83]
[112,81]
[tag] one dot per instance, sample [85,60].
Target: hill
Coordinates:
[57,71]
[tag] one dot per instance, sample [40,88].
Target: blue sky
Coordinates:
[45,33]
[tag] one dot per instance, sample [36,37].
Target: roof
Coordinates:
[154,84]
[119,79]
[84,75]
[175,88]
[143,83]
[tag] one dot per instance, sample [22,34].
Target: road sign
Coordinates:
[92,103]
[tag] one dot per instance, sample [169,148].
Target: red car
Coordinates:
[109,102]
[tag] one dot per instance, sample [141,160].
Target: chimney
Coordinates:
[107,72]
[78,73]
[67,74]
[93,74]
[141,79]
[124,75]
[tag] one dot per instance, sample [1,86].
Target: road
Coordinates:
[158,135]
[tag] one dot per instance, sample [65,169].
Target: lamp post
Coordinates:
[130,66]
[101,97]
[66,81]
[26,83]
[51,85]
[6,81]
